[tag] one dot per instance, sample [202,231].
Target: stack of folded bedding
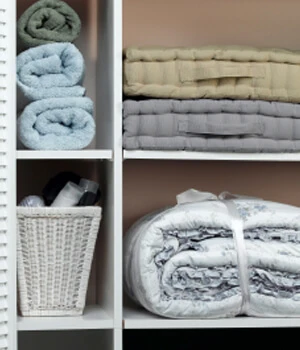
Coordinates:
[236,99]
[50,73]
[215,257]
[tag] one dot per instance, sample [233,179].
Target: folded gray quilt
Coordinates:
[212,125]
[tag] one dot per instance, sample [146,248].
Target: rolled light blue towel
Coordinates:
[57,124]
[51,70]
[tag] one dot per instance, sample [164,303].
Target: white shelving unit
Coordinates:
[100,42]
[135,182]
[153,178]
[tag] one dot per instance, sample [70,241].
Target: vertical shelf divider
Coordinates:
[109,111]
[118,164]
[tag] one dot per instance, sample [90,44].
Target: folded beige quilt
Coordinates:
[213,72]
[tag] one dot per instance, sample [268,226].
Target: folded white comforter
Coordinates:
[182,262]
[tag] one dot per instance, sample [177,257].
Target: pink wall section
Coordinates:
[206,22]
[149,185]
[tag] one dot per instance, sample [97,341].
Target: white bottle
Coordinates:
[69,196]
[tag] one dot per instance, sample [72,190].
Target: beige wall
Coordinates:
[205,22]
[149,185]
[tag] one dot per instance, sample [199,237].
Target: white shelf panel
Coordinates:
[81,154]
[188,155]
[141,319]
[94,318]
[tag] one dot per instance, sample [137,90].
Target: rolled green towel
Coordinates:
[48,21]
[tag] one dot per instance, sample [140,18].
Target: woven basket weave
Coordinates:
[55,250]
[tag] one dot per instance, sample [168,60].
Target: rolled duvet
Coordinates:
[57,124]
[182,262]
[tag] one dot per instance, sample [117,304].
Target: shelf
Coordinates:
[94,318]
[135,318]
[189,155]
[82,154]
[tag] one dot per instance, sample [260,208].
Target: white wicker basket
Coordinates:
[55,251]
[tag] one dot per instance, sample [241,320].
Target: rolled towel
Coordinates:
[52,70]
[48,21]
[57,124]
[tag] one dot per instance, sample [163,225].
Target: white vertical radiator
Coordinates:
[7,176]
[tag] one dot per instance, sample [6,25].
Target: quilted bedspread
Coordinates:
[212,125]
[213,72]
[182,262]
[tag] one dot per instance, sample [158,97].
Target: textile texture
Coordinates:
[213,72]
[52,70]
[48,21]
[57,124]
[181,262]
[212,125]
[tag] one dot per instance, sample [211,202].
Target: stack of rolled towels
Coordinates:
[221,99]
[50,73]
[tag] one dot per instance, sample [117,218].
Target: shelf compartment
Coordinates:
[188,155]
[93,318]
[138,318]
[83,154]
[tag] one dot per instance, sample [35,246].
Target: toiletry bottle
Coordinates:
[90,195]
[69,196]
